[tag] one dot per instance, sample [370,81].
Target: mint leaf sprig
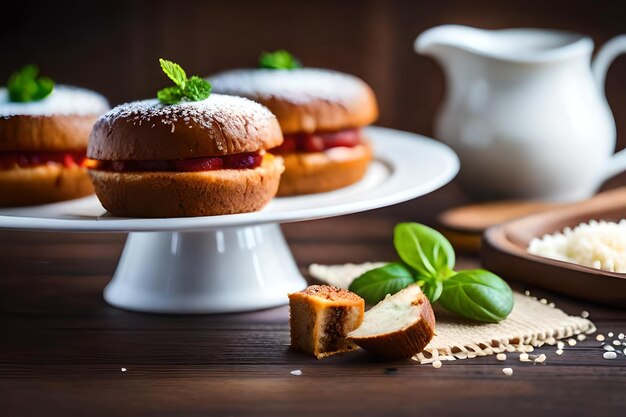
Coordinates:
[25,86]
[279,59]
[428,259]
[192,89]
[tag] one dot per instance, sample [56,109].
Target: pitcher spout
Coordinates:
[437,40]
[511,45]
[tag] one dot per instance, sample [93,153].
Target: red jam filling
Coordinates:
[30,159]
[319,141]
[248,160]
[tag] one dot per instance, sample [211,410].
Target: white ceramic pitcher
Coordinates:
[525,111]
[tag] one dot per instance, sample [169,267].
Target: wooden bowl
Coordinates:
[464,226]
[504,251]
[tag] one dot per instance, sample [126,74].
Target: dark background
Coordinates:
[113,46]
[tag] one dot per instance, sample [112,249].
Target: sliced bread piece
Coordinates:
[320,318]
[398,327]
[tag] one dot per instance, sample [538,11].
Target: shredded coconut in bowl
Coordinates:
[597,244]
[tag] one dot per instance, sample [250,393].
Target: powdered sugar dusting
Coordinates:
[64,100]
[217,109]
[298,86]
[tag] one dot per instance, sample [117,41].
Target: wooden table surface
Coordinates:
[62,348]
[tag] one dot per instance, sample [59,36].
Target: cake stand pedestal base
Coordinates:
[218,271]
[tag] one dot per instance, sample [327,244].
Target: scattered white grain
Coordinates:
[571,342]
[608,347]
[584,314]
[609,355]
[551,305]
[527,293]
[529,348]
[123,369]
[600,338]
[501,356]
[540,359]
[437,364]
[296,372]
[507,371]
[620,336]
[523,357]
[617,342]
[543,301]
[560,344]
[610,334]
[559,352]
[581,337]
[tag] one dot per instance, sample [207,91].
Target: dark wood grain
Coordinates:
[62,348]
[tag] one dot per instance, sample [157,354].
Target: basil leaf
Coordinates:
[432,288]
[478,295]
[374,285]
[424,249]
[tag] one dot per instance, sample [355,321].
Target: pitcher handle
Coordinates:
[609,51]
[600,65]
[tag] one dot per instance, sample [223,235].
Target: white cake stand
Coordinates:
[238,262]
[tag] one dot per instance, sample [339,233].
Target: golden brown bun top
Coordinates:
[304,99]
[149,130]
[61,121]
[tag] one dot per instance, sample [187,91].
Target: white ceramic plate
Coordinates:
[406,166]
[238,262]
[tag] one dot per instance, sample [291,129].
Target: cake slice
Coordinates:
[398,327]
[320,318]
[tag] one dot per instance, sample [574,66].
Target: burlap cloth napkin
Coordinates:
[532,323]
